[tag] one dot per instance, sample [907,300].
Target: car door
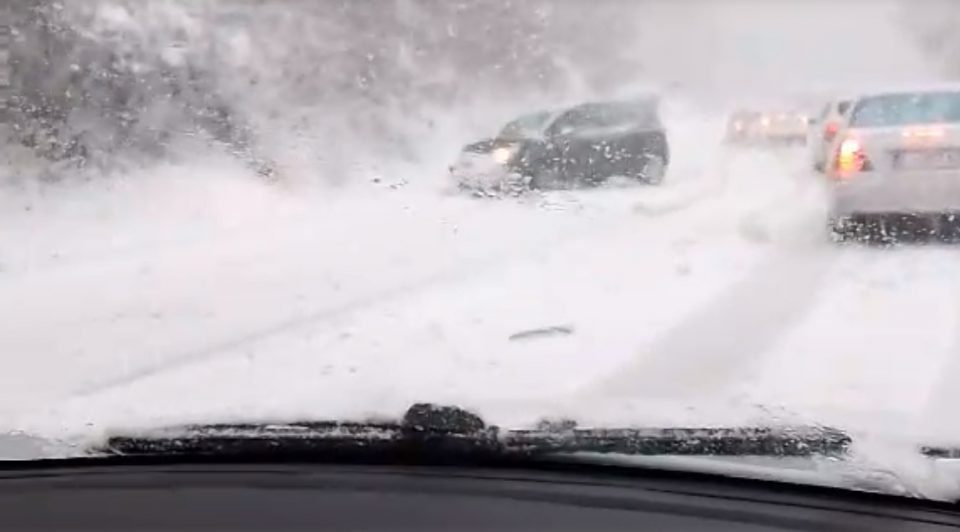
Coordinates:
[566,151]
[6,68]
[585,148]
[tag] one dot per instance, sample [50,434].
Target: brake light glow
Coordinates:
[830,131]
[850,157]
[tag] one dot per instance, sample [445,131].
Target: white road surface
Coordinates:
[714,299]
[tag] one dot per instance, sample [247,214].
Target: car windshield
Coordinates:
[604,115]
[525,127]
[906,109]
[265,211]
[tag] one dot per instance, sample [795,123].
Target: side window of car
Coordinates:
[564,125]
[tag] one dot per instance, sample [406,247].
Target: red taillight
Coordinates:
[830,131]
[850,158]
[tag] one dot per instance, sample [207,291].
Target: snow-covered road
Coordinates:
[713,299]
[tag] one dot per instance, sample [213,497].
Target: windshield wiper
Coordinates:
[939,451]
[431,433]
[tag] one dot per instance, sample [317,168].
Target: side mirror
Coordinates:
[811,121]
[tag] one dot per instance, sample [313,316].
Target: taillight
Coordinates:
[850,158]
[830,131]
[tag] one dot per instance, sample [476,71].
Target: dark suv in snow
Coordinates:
[579,146]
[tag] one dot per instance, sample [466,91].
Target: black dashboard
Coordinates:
[278,497]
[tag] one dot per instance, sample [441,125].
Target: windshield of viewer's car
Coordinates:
[265,211]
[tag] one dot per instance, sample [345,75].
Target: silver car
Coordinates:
[896,156]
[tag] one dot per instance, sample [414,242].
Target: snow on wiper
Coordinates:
[940,451]
[442,433]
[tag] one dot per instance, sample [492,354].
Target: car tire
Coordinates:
[842,229]
[513,184]
[546,179]
[654,170]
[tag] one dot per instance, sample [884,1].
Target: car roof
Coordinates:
[543,117]
[910,89]
[551,115]
[540,116]
[651,101]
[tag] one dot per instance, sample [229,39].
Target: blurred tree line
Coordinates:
[95,82]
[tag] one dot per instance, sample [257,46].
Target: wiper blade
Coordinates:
[429,433]
[936,451]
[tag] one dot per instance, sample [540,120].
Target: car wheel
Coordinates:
[654,170]
[842,229]
[949,228]
[547,179]
[513,184]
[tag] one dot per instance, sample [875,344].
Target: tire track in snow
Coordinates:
[941,403]
[868,355]
[708,351]
[882,337]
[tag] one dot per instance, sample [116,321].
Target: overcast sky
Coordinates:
[742,46]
